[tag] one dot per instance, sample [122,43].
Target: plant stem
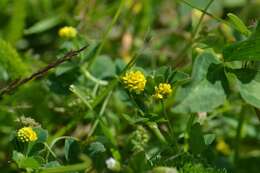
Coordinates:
[69,168]
[194,33]
[121,5]
[238,134]
[93,128]
[167,119]
[204,11]
[188,128]
[154,127]
[17,83]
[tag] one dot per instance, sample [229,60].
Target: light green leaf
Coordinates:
[96,147]
[245,50]
[43,25]
[249,86]
[41,134]
[209,138]
[25,162]
[238,24]
[205,91]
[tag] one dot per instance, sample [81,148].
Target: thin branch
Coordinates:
[18,82]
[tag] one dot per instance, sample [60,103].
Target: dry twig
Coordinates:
[18,82]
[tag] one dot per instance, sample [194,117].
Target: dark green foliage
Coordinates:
[11,65]
[198,100]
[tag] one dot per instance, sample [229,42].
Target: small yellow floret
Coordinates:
[134,81]
[68,32]
[162,91]
[223,147]
[26,134]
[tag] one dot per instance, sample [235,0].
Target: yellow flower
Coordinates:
[134,81]
[68,32]
[162,91]
[223,147]
[26,134]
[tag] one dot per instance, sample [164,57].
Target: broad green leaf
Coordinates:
[96,148]
[205,91]
[203,97]
[43,25]
[245,50]
[238,24]
[209,138]
[25,162]
[249,86]
[71,150]
[201,66]
[103,67]
[41,134]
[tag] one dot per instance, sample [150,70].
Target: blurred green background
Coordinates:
[29,40]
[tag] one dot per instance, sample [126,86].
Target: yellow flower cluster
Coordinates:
[26,134]
[162,91]
[223,147]
[134,81]
[68,32]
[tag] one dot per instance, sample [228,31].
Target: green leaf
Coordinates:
[25,162]
[249,85]
[42,134]
[238,24]
[209,138]
[103,67]
[178,78]
[205,91]
[71,150]
[245,50]
[96,147]
[196,140]
[43,25]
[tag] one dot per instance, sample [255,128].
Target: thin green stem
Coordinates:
[238,135]
[195,31]
[103,108]
[54,142]
[167,119]
[154,127]
[188,128]
[49,151]
[173,138]
[204,11]
[69,168]
[114,20]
